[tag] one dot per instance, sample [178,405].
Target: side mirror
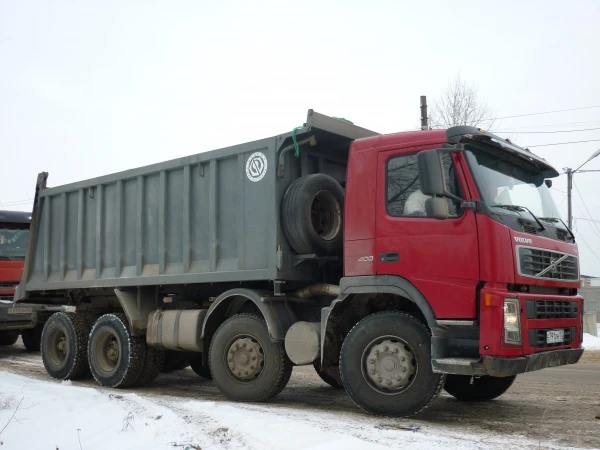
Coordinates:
[437,207]
[431,173]
[548,183]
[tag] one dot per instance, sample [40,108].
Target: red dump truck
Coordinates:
[398,265]
[25,320]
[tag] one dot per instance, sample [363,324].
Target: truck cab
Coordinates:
[498,266]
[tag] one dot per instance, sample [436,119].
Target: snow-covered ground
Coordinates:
[38,414]
[592,342]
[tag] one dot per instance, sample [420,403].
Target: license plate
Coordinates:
[554,336]
[20,310]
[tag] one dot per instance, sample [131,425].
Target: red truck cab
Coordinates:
[499,268]
[14,232]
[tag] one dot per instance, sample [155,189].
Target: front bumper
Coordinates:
[505,367]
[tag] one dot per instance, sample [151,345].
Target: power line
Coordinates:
[584,205]
[545,132]
[588,246]
[561,143]
[554,125]
[587,220]
[544,112]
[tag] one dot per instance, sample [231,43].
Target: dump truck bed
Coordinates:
[210,217]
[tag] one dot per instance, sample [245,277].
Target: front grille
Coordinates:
[537,337]
[5,298]
[551,309]
[534,261]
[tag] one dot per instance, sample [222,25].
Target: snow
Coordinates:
[49,415]
[591,342]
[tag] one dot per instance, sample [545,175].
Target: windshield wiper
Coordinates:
[520,208]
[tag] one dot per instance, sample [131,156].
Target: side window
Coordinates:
[403,190]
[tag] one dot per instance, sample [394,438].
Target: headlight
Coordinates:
[512,321]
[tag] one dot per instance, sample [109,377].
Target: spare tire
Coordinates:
[312,215]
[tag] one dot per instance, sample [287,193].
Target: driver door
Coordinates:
[439,257]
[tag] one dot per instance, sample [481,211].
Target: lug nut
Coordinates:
[386,348]
[389,383]
[376,352]
[250,349]
[395,350]
[371,361]
[244,345]
[254,358]
[373,372]
[403,358]
[251,367]
[403,369]
[379,379]
[245,372]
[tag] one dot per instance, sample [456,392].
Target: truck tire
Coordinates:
[153,364]
[483,388]
[246,365]
[32,337]
[312,214]
[8,337]
[386,365]
[332,377]
[174,360]
[199,369]
[64,346]
[116,357]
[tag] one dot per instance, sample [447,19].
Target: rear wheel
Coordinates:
[386,365]
[200,369]
[64,345]
[482,389]
[174,360]
[116,357]
[153,364]
[8,337]
[331,376]
[245,363]
[31,337]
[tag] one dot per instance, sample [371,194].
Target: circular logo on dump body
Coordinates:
[256,166]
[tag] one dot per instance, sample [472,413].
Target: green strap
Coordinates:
[296,146]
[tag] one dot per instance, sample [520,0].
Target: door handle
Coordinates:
[389,257]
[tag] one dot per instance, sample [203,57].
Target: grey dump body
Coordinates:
[208,218]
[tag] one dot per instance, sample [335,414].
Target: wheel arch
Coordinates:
[385,292]
[277,317]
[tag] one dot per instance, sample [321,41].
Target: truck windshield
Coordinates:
[503,182]
[13,243]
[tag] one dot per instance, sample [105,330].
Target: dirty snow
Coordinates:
[48,415]
[591,342]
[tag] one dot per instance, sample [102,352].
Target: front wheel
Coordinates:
[32,337]
[246,364]
[482,389]
[8,337]
[386,365]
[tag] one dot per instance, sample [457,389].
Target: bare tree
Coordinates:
[460,104]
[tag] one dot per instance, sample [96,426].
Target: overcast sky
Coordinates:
[90,89]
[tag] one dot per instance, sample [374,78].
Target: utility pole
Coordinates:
[424,119]
[570,173]
[569,188]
